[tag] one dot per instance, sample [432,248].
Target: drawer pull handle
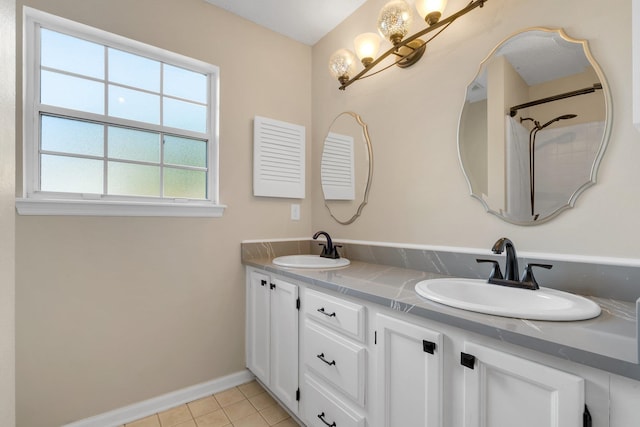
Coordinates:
[321,310]
[321,416]
[321,357]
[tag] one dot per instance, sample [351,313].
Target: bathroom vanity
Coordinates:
[356,346]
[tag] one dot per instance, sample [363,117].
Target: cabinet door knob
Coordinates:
[263,282]
[586,418]
[321,357]
[321,416]
[321,310]
[428,346]
[467,360]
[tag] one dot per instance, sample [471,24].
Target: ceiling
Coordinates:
[538,56]
[304,20]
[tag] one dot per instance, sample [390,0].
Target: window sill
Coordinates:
[26,206]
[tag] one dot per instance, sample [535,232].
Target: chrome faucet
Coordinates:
[329,250]
[511,268]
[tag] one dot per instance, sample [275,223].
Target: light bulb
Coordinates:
[342,65]
[431,10]
[367,46]
[395,20]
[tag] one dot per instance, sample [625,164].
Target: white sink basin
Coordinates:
[479,296]
[310,261]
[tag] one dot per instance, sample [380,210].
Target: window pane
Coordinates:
[181,183]
[131,144]
[133,70]
[134,105]
[184,115]
[185,151]
[72,136]
[185,84]
[133,180]
[116,120]
[70,174]
[71,54]
[71,92]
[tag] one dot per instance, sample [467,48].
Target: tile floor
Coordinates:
[247,405]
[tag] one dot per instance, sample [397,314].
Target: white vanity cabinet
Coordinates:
[503,390]
[272,335]
[408,373]
[486,386]
[334,358]
[365,365]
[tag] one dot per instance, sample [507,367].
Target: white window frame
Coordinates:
[34,202]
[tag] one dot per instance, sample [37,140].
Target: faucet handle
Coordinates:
[324,249]
[527,274]
[495,271]
[336,254]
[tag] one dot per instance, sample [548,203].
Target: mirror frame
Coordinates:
[603,143]
[367,140]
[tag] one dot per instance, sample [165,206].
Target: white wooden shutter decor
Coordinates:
[278,159]
[337,168]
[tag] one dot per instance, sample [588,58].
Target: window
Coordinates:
[115,127]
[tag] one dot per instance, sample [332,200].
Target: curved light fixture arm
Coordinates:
[394,49]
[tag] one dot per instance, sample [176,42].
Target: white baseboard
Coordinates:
[129,413]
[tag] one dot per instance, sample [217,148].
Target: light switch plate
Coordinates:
[295,211]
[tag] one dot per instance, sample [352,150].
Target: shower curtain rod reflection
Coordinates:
[514,110]
[532,155]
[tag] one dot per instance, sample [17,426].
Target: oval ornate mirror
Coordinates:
[534,126]
[347,167]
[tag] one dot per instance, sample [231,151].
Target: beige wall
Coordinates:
[7,216]
[418,185]
[112,311]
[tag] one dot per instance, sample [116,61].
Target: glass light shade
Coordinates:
[431,10]
[367,46]
[342,64]
[395,21]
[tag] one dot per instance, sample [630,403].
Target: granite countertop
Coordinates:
[608,342]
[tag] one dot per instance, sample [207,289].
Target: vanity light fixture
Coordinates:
[394,23]
[367,47]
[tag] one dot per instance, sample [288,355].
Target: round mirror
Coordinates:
[347,167]
[534,126]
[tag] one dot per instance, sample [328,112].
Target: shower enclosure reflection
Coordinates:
[532,155]
[534,126]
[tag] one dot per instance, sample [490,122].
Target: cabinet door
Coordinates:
[284,342]
[409,368]
[503,390]
[625,396]
[258,325]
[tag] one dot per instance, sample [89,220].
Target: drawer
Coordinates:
[336,359]
[345,316]
[323,409]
